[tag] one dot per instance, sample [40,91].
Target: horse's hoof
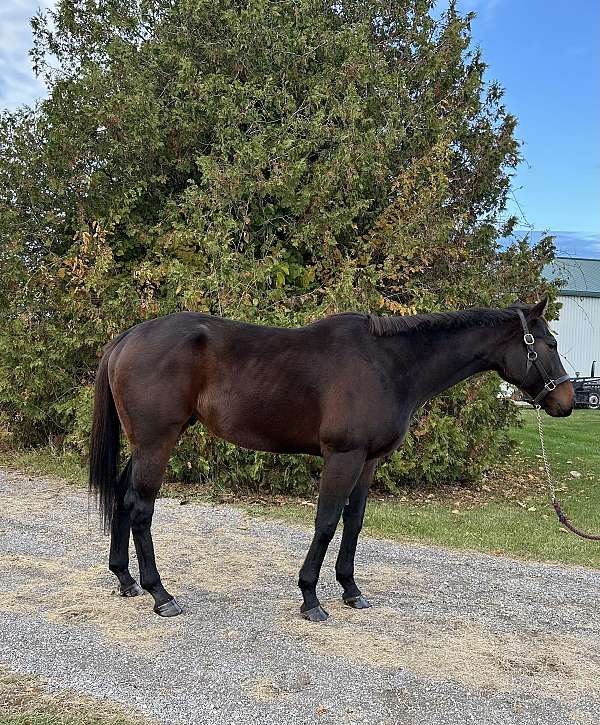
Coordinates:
[316,614]
[359,602]
[131,590]
[168,609]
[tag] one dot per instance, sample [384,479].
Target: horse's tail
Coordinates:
[105,445]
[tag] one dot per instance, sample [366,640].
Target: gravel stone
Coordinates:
[452,637]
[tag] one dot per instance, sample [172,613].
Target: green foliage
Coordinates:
[267,161]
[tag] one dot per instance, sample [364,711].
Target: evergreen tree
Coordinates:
[266,160]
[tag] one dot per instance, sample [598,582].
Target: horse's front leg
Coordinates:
[340,473]
[353,515]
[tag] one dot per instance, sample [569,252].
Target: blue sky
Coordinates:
[17,82]
[546,54]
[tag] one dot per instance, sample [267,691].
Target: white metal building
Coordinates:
[578,327]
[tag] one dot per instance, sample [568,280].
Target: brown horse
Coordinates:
[344,387]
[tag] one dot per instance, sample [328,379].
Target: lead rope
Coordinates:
[555,503]
[551,486]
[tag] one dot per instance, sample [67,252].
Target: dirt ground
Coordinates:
[451,637]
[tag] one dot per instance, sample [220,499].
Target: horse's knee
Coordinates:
[325,531]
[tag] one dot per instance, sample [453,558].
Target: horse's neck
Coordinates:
[445,358]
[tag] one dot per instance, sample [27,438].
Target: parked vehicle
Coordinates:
[587,390]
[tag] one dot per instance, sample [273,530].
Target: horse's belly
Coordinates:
[260,423]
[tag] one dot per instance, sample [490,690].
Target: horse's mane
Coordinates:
[388,325]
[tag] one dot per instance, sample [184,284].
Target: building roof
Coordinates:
[580,277]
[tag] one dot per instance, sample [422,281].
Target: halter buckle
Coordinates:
[532,355]
[550,385]
[528,338]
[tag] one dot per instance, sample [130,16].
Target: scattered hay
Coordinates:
[389,579]
[64,593]
[61,590]
[26,699]
[262,689]
[230,562]
[582,718]
[467,653]
[233,562]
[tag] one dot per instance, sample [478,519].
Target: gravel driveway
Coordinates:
[451,638]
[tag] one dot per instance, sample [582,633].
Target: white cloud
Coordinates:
[569,243]
[18,85]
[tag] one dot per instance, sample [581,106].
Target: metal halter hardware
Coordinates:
[550,383]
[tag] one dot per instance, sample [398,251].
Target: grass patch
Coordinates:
[513,516]
[24,700]
[509,513]
[46,461]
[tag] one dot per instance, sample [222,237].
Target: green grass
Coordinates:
[523,526]
[47,461]
[514,518]
[25,701]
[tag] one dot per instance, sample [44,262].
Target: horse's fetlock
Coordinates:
[305,583]
[150,584]
[344,574]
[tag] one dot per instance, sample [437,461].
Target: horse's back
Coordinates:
[267,388]
[259,387]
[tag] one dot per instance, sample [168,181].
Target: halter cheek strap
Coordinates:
[532,357]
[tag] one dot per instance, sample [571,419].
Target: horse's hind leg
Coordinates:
[353,516]
[118,561]
[148,467]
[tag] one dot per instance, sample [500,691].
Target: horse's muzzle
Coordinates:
[561,401]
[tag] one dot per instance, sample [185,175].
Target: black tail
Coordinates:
[105,446]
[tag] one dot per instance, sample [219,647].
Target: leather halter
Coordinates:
[532,357]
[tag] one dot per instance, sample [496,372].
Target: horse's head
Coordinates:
[530,360]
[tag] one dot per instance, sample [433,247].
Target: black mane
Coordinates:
[388,325]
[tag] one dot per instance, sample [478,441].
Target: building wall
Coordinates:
[578,333]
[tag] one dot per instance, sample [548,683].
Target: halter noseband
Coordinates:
[532,357]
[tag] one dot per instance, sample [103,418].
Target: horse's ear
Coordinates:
[538,310]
